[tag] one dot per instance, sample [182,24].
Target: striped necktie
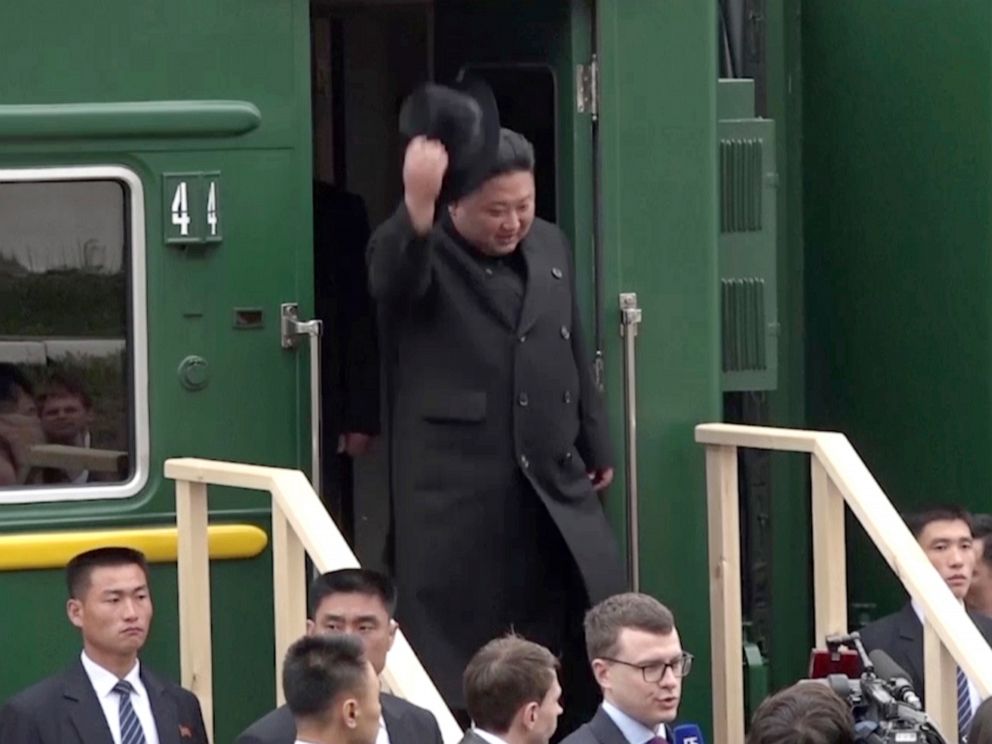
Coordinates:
[964,705]
[131,732]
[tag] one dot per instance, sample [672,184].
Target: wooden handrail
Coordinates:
[300,527]
[839,477]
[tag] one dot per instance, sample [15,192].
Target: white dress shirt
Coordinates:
[489,738]
[976,699]
[103,682]
[383,736]
[633,731]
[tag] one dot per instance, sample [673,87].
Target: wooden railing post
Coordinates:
[289,592]
[193,568]
[829,557]
[940,675]
[723,511]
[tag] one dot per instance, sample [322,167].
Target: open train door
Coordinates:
[619,98]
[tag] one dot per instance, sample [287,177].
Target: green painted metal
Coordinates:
[755,678]
[253,407]
[658,130]
[897,164]
[138,119]
[792,629]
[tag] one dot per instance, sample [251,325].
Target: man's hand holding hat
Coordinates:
[424,166]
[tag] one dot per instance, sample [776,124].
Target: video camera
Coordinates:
[886,708]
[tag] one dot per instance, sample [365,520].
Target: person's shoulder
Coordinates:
[275,727]
[880,629]
[544,230]
[582,735]
[38,696]
[984,623]
[397,706]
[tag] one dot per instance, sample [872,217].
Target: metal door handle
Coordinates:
[292,328]
[630,319]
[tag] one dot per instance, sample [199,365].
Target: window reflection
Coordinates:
[65,403]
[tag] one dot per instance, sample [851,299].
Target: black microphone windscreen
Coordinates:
[885,667]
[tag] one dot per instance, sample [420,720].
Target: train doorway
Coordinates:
[366,56]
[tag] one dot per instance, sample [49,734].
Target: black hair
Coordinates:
[11,378]
[318,669]
[353,581]
[918,521]
[78,570]
[515,153]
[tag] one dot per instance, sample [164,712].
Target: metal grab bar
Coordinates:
[630,319]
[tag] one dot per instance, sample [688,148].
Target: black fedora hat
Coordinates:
[465,119]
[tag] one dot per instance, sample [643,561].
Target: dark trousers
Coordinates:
[337,491]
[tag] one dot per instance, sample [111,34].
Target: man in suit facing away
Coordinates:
[512,693]
[944,533]
[638,661]
[360,603]
[107,696]
[332,691]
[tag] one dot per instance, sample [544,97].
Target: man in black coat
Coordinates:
[358,602]
[944,533]
[107,689]
[639,663]
[349,347]
[499,436]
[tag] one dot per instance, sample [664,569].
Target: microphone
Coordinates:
[687,733]
[887,669]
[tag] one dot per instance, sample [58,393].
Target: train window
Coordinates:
[73,376]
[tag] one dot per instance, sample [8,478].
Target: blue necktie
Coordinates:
[131,732]
[964,705]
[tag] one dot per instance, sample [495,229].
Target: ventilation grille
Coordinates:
[740,185]
[743,307]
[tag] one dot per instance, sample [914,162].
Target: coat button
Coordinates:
[565,459]
[522,339]
[567,397]
[523,400]
[489,272]
[565,333]
[556,273]
[524,462]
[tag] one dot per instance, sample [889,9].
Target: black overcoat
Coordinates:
[494,425]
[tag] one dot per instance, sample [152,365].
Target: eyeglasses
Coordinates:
[655,671]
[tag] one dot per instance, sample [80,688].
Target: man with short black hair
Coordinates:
[331,690]
[512,693]
[361,603]
[979,597]
[944,533]
[499,438]
[806,713]
[108,696]
[638,661]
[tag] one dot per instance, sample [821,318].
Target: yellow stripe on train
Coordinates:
[32,550]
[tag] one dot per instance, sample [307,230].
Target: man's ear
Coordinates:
[311,627]
[393,627]
[528,715]
[601,671]
[349,712]
[74,610]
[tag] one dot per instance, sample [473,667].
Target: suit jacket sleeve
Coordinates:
[593,443]
[399,260]
[18,726]
[192,713]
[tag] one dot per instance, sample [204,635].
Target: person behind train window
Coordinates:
[979,597]
[107,696]
[639,663]
[349,346]
[66,411]
[20,428]
[512,693]
[498,435]
[359,602]
[806,713]
[944,533]
[331,690]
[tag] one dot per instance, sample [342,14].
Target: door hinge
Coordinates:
[587,88]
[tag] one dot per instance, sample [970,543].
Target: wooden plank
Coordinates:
[76,458]
[289,593]
[723,511]
[940,676]
[196,655]
[829,556]
[217,473]
[757,437]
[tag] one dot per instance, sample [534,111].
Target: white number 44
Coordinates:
[180,208]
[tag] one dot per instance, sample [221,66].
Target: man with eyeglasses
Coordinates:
[639,663]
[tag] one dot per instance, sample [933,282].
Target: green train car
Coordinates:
[772,251]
